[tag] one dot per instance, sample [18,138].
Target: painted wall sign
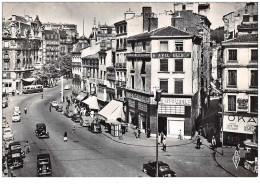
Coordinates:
[242,104]
[172,55]
[138,55]
[173,101]
[137,97]
[239,124]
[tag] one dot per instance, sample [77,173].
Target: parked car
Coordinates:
[59,108]
[15,155]
[41,131]
[163,169]
[54,104]
[68,113]
[76,118]
[85,121]
[67,87]
[7,140]
[95,128]
[17,110]
[4,103]
[16,117]
[7,132]
[44,164]
[5,124]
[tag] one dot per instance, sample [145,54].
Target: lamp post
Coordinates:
[158,94]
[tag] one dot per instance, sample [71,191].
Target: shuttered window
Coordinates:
[254,104]
[164,85]
[232,54]
[179,86]
[232,103]
[164,65]
[254,54]
[232,78]
[179,65]
[254,78]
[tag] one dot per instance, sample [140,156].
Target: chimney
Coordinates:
[153,24]
[129,14]
[146,12]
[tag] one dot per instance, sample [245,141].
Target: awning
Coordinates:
[92,103]
[113,110]
[251,144]
[29,79]
[81,96]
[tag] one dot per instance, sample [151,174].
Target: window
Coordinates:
[232,54]
[179,65]
[245,18]
[254,54]
[183,7]
[163,64]
[164,46]
[133,64]
[254,104]
[255,18]
[164,85]
[179,45]
[179,86]
[133,82]
[143,83]
[254,78]
[232,78]
[143,67]
[232,103]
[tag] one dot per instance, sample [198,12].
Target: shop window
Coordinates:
[232,78]
[163,64]
[179,65]
[133,82]
[164,85]
[232,54]
[179,86]
[179,45]
[254,104]
[254,55]
[245,18]
[163,46]
[232,103]
[254,78]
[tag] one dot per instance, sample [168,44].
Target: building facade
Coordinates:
[167,59]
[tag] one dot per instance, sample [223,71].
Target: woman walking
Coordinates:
[65,137]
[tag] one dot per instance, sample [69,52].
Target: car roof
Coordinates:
[40,124]
[43,156]
[14,143]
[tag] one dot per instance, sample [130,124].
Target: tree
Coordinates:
[64,64]
[218,34]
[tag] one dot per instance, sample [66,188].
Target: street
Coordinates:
[95,155]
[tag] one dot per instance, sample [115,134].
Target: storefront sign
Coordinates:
[242,104]
[172,55]
[173,101]
[138,55]
[239,124]
[137,97]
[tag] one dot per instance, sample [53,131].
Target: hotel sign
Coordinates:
[172,55]
[138,55]
[239,124]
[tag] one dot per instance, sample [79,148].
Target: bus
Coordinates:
[32,89]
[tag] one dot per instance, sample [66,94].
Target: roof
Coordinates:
[43,156]
[93,56]
[120,22]
[79,46]
[161,32]
[249,38]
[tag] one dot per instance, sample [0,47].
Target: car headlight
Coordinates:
[40,169]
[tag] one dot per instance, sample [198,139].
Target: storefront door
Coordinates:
[174,127]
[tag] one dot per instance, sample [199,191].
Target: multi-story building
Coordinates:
[21,47]
[168,59]
[240,60]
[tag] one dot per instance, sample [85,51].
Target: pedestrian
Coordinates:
[50,108]
[25,110]
[180,137]
[139,132]
[27,147]
[159,137]
[164,144]
[73,130]
[42,95]
[198,142]
[213,142]
[148,132]
[200,130]
[135,132]
[65,137]
[238,148]
[162,136]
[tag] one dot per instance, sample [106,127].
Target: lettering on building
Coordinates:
[138,55]
[172,55]
[137,97]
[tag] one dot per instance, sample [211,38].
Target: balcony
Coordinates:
[120,65]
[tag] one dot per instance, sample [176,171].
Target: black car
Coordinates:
[59,108]
[15,155]
[44,164]
[163,169]
[41,131]
[95,128]
[76,118]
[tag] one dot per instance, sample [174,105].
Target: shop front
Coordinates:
[237,129]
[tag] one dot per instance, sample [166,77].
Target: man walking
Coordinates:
[65,137]
[164,144]
[213,142]
[25,110]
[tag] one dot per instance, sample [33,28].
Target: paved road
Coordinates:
[95,155]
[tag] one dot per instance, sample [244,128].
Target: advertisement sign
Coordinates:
[165,55]
[239,124]
[138,55]
[173,101]
[242,104]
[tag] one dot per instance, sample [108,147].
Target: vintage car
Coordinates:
[7,141]
[86,121]
[44,164]
[68,113]
[54,104]
[17,110]
[41,131]
[67,87]
[7,133]
[59,108]
[163,169]
[15,155]
[95,127]
[4,103]
[5,124]
[76,118]
[16,117]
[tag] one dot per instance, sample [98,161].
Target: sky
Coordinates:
[105,12]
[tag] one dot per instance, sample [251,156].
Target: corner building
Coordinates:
[168,59]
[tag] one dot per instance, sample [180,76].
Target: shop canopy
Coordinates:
[81,96]
[29,80]
[250,144]
[92,103]
[113,110]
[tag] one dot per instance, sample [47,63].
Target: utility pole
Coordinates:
[158,94]
[61,92]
